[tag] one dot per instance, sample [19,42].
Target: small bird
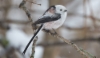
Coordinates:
[52,18]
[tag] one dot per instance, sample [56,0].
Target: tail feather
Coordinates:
[32,38]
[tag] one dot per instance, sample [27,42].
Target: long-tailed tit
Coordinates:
[53,18]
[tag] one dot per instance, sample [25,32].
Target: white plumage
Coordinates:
[56,24]
[53,18]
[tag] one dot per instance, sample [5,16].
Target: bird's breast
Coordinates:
[54,24]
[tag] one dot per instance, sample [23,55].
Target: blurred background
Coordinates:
[82,26]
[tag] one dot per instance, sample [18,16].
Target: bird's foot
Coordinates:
[34,27]
[53,32]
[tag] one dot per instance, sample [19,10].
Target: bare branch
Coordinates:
[47,44]
[80,50]
[22,5]
[33,47]
[33,2]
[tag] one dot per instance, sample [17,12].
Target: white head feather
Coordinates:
[60,9]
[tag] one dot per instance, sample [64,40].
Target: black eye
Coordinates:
[60,9]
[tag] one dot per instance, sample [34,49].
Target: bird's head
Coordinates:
[60,9]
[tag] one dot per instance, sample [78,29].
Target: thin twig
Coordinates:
[33,2]
[47,44]
[22,5]
[33,47]
[80,50]
[85,19]
[91,56]
[92,14]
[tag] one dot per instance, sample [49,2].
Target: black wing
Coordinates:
[48,19]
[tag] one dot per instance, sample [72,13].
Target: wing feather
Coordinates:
[45,19]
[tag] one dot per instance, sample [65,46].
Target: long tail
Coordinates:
[32,39]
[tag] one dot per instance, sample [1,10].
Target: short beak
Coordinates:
[65,10]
